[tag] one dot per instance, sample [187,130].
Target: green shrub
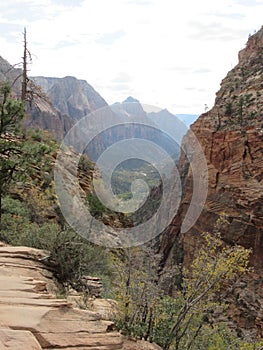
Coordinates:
[95,206]
[71,255]
[14,207]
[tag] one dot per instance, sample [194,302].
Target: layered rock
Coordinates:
[231,137]
[33,318]
[30,310]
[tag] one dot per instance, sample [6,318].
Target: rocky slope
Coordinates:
[10,73]
[231,137]
[33,318]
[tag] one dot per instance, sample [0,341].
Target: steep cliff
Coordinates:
[73,97]
[231,137]
[10,73]
[41,113]
[68,100]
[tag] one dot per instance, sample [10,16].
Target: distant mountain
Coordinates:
[129,108]
[43,115]
[10,74]
[166,129]
[169,123]
[130,99]
[73,97]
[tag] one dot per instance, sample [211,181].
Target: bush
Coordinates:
[14,207]
[71,255]
[95,206]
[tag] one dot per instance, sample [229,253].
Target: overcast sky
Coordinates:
[168,53]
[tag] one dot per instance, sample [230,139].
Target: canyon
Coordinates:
[231,138]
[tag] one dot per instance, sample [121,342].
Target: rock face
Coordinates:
[73,97]
[46,117]
[68,100]
[231,137]
[33,318]
[41,114]
[9,73]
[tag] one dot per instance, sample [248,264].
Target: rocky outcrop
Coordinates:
[46,117]
[31,313]
[231,137]
[10,74]
[93,285]
[32,317]
[71,96]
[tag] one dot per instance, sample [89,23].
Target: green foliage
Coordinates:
[71,255]
[144,311]
[183,322]
[85,164]
[242,109]
[249,346]
[11,113]
[229,109]
[14,207]
[131,170]
[95,206]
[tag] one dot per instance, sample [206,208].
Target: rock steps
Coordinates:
[33,318]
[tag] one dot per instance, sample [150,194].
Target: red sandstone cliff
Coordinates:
[231,136]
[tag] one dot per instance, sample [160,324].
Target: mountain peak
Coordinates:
[130,99]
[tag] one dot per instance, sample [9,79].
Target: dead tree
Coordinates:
[25,79]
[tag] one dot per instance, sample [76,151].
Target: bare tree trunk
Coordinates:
[24,74]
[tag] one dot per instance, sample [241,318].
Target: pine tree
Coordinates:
[12,112]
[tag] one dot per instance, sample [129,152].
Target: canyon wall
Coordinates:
[231,136]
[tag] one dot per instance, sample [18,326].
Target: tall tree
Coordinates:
[12,112]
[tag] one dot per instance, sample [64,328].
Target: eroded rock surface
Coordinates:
[231,136]
[32,317]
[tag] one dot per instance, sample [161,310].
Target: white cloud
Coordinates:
[169,53]
[110,38]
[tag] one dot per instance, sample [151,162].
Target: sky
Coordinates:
[166,53]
